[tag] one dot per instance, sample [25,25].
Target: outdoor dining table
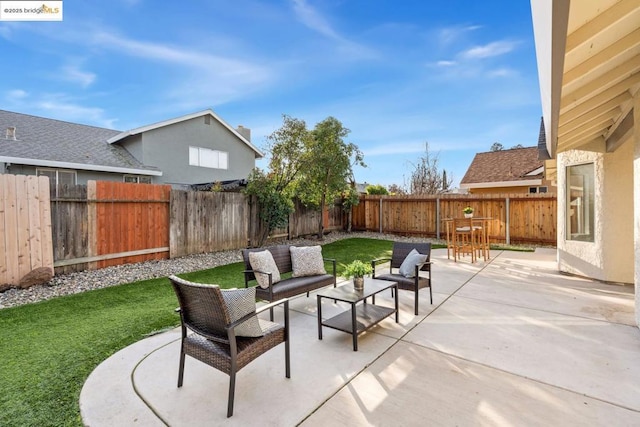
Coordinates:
[476,229]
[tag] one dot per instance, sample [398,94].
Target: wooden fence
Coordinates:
[109,223]
[516,218]
[25,222]
[207,222]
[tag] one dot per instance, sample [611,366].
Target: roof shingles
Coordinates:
[502,166]
[40,138]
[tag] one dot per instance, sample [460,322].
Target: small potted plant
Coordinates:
[357,269]
[468,212]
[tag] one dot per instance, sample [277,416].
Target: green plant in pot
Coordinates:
[357,270]
[468,212]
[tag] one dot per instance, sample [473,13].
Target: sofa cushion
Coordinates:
[241,302]
[408,266]
[263,261]
[307,261]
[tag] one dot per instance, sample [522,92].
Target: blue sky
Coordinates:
[458,74]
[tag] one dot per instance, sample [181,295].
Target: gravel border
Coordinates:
[110,276]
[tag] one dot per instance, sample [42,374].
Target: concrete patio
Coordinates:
[507,342]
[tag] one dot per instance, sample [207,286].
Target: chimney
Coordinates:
[11,133]
[245,132]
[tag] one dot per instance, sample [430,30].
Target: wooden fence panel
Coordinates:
[69,227]
[132,222]
[517,218]
[25,226]
[208,221]
[533,220]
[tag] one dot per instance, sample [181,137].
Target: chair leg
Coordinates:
[181,367]
[416,301]
[271,314]
[232,389]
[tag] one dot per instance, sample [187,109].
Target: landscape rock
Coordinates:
[37,276]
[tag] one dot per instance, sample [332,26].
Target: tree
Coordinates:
[330,167]
[427,178]
[275,205]
[377,189]
[395,189]
[274,190]
[496,146]
[350,198]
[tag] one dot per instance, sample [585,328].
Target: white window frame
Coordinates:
[208,158]
[53,183]
[139,179]
[580,202]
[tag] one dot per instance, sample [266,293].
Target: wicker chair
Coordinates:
[205,313]
[400,252]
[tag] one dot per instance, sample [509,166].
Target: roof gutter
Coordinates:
[524,182]
[79,166]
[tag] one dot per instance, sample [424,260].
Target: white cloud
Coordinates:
[451,34]
[502,72]
[446,63]
[58,106]
[74,74]
[489,50]
[311,18]
[16,95]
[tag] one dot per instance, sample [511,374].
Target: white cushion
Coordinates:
[241,302]
[307,261]
[263,261]
[408,266]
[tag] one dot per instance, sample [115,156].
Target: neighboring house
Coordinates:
[588,55]
[516,170]
[192,149]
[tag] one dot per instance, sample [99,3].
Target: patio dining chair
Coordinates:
[407,275]
[221,329]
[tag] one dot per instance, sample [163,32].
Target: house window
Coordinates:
[58,177]
[533,190]
[542,189]
[137,179]
[580,203]
[207,158]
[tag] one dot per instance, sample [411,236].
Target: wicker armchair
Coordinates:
[205,313]
[400,252]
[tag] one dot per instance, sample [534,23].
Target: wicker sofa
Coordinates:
[286,287]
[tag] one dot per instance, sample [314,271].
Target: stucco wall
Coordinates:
[610,256]
[168,149]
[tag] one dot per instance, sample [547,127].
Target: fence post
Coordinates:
[508,225]
[438,218]
[380,215]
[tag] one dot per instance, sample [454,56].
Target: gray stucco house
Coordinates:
[192,149]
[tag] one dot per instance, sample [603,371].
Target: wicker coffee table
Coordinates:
[361,316]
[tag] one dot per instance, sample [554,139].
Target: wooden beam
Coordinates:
[597,85]
[620,133]
[601,97]
[580,116]
[604,20]
[65,262]
[598,114]
[601,125]
[627,43]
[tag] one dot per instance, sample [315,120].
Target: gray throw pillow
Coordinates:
[307,261]
[241,302]
[408,266]
[263,261]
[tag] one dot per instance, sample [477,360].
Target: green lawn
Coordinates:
[50,348]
